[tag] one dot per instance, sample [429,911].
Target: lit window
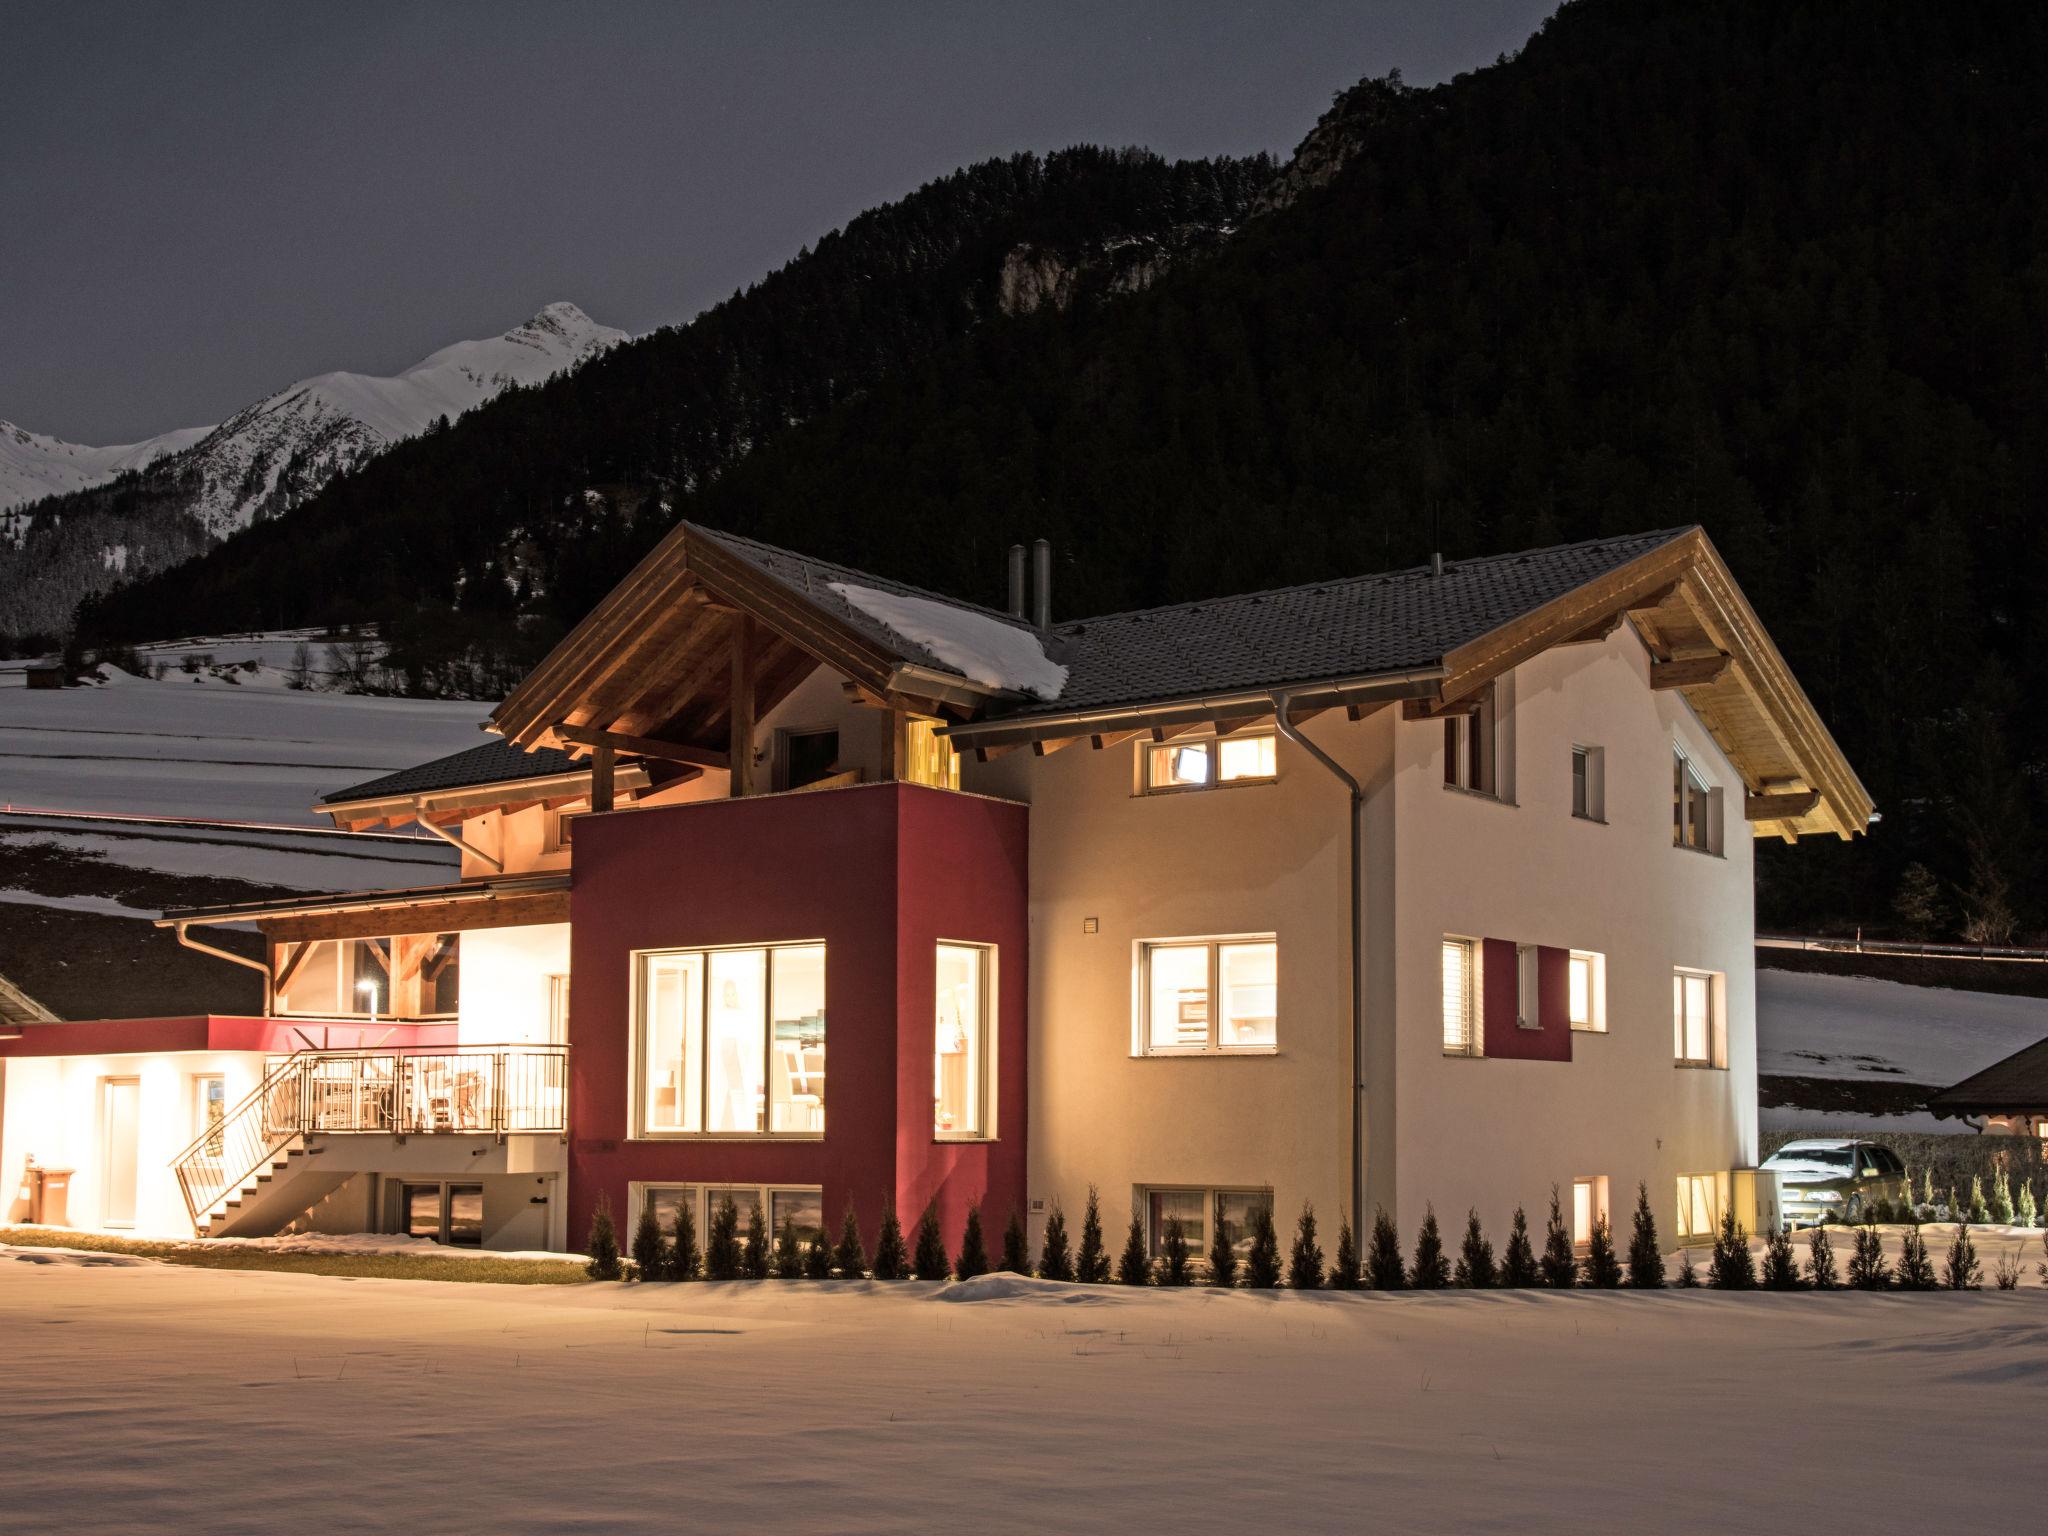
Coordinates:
[1589,1208]
[960,1043]
[1470,742]
[1206,762]
[1182,978]
[1693,807]
[408,976]
[1461,997]
[1589,783]
[1586,978]
[1696,1034]
[1236,1209]
[928,757]
[1699,1204]
[732,1041]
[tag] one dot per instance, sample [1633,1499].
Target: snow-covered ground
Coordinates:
[141,1396]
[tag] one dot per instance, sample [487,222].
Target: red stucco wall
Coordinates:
[1505,1037]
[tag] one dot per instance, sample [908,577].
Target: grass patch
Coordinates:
[361,1266]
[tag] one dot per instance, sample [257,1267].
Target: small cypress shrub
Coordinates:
[1916,1269]
[1175,1258]
[788,1259]
[648,1261]
[1560,1264]
[1518,1260]
[1091,1264]
[850,1258]
[2001,1199]
[1431,1270]
[1979,1210]
[1926,1205]
[754,1257]
[1688,1277]
[1222,1251]
[1016,1246]
[1962,1272]
[1344,1268]
[1603,1269]
[1645,1256]
[1476,1269]
[1731,1268]
[1134,1267]
[683,1258]
[1054,1260]
[1305,1260]
[818,1257]
[1781,1269]
[2025,1214]
[929,1260]
[1384,1268]
[1262,1263]
[722,1247]
[1820,1262]
[973,1258]
[1869,1270]
[892,1258]
[604,1243]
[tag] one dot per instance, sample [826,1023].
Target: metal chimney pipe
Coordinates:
[1017,608]
[1041,583]
[1436,564]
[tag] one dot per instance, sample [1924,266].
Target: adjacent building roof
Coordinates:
[18,1008]
[2016,1085]
[495,762]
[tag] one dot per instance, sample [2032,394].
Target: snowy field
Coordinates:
[142,1396]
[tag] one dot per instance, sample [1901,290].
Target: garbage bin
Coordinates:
[49,1201]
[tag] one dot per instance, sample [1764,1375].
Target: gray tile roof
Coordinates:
[2020,1082]
[495,762]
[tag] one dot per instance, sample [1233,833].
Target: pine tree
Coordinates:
[1054,1261]
[1344,1268]
[1916,1269]
[1518,1260]
[1868,1268]
[1016,1246]
[648,1262]
[1385,1269]
[1688,1277]
[892,1259]
[1174,1255]
[722,1248]
[788,1259]
[973,1259]
[1262,1263]
[1732,1269]
[818,1257]
[1222,1251]
[1476,1269]
[1820,1262]
[604,1243]
[1962,1272]
[850,1258]
[1645,1256]
[1603,1269]
[2001,1198]
[1980,1212]
[683,1258]
[1431,1269]
[1134,1267]
[754,1257]
[929,1261]
[1781,1269]
[1091,1264]
[1305,1260]
[1560,1265]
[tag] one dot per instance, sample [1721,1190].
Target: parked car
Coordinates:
[1822,1179]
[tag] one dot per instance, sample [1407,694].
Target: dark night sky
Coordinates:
[199,204]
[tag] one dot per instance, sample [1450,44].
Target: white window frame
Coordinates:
[1528,987]
[699,1191]
[1198,1247]
[1689,781]
[1481,730]
[1593,776]
[1141,1032]
[1689,1185]
[985,1087]
[1594,1187]
[1473,1045]
[636,1076]
[1716,1058]
[1594,965]
[1211,745]
[556,836]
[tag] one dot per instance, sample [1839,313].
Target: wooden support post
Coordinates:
[740,748]
[895,731]
[603,759]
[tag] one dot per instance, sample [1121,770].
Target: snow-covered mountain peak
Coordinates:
[34,465]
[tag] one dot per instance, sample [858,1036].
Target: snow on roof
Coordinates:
[982,649]
[1850,1027]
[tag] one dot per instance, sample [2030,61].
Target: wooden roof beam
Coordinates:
[643,746]
[1788,805]
[1689,671]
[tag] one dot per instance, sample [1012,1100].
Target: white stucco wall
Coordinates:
[505,975]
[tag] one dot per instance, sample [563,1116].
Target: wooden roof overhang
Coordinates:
[651,670]
[447,807]
[509,903]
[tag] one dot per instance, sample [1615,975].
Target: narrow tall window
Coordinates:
[1699,1204]
[1469,747]
[1586,990]
[1589,783]
[1696,1030]
[1528,988]
[1692,806]
[960,1042]
[1460,999]
[1210,996]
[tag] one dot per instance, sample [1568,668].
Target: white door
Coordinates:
[120,1111]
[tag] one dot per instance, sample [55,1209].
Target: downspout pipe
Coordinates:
[453,839]
[1282,703]
[189,942]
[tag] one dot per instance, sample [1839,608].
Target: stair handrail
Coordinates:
[268,1139]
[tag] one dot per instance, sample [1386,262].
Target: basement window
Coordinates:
[1209,762]
[1235,1210]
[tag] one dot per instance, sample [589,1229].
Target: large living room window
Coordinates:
[1210,996]
[961,1041]
[732,1041]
